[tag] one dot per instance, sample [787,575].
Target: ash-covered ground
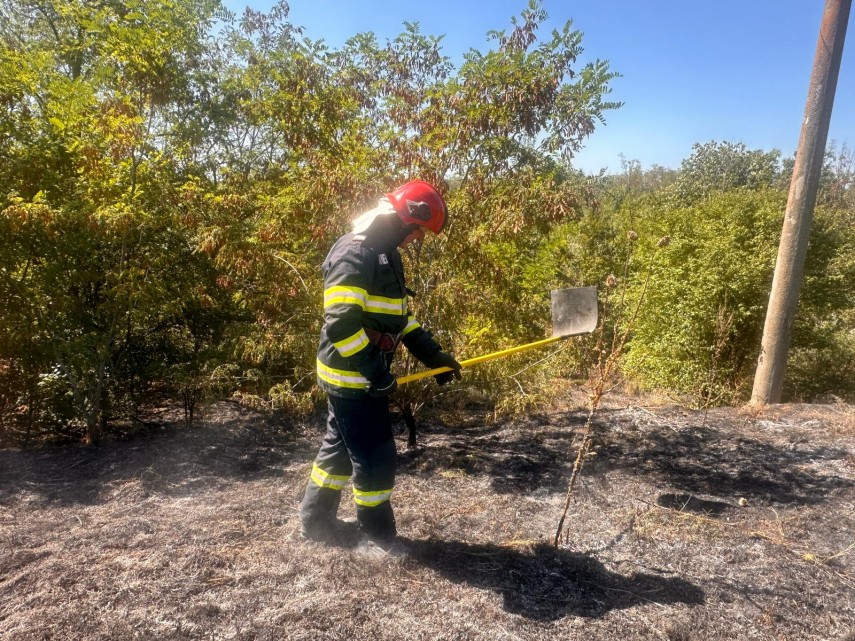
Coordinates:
[727,525]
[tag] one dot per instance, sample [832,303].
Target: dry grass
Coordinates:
[739,527]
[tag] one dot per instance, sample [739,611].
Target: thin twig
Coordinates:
[306,287]
[545,358]
[607,360]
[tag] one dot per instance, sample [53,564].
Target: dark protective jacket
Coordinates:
[364,289]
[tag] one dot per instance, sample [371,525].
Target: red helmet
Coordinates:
[419,203]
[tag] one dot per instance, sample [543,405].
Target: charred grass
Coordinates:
[726,525]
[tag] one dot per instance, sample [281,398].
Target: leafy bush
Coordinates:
[178,176]
[702,323]
[699,332]
[172,178]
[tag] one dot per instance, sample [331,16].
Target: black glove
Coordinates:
[444,359]
[383,386]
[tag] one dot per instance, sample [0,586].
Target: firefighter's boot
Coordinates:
[318,514]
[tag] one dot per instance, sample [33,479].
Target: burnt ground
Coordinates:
[684,526]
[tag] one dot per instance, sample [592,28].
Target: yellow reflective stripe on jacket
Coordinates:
[371,499]
[352,344]
[345,295]
[325,479]
[383,305]
[340,377]
[413,324]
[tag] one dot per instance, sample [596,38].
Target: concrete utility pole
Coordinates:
[789,269]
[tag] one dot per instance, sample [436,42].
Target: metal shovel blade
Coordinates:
[574,311]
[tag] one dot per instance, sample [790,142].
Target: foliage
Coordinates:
[172,175]
[823,345]
[699,334]
[176,175]
[92,234]
[718,264]
[722,166]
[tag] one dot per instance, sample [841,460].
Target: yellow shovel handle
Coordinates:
[409,378]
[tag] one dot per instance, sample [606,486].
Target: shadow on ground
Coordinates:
[545,584]
[519,458]
[172,460]
[722,461]
[517,461]
[707,460]
[689,503]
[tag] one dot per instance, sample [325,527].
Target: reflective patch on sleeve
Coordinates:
[340,377]
[383,305]
[352,344]
[411,325]
[371,499]
[342,295]
[325,479]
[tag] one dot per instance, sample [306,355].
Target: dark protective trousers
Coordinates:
[358,444]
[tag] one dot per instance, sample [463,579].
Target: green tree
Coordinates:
[493,134]
[176,175]
[88,92]
[699,332]
[723,166]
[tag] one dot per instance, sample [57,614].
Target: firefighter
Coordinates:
[366,316]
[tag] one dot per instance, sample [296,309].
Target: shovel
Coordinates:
[574,311]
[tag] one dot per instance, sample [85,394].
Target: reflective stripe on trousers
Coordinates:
[358,444]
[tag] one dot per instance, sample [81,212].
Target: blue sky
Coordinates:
[692,70]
